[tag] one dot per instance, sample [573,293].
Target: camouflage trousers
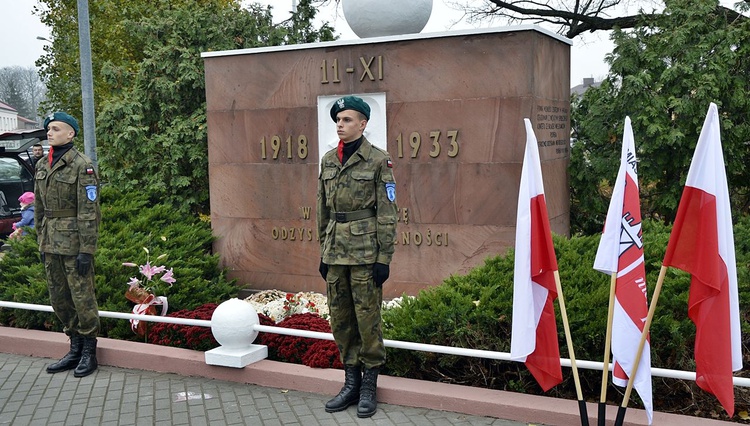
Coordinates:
[354,305]
[72,295]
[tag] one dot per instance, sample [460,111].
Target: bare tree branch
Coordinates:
[572,18]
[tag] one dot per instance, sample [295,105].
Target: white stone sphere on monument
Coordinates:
[232,324]
[375,18]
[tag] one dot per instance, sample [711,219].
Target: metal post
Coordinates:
[87,82]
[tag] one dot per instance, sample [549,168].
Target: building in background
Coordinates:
[26,124]
[10,120]
[8,117]
[582,88]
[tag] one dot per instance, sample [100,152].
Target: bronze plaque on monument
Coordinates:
[449,109]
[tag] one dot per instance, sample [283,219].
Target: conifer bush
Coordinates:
[474,311]
[22,280]
[130,222]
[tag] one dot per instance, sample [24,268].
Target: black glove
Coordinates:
[323,268]
[380,273]
[41,254]
[83,263]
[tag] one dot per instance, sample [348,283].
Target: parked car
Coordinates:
[16,173]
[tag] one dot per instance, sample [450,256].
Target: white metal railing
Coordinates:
[397,344]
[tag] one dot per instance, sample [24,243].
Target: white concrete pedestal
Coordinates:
[236,357]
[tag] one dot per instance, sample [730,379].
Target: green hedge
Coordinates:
[130,222]
[474,311]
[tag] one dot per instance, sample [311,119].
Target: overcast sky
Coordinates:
[18,35]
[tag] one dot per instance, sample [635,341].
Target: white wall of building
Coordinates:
[8,120]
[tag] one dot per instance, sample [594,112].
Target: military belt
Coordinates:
[350,216]
[60,213]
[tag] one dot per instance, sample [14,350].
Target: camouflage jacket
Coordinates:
[365,183]
[67,212]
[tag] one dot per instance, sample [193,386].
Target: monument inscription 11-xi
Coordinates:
[449,109]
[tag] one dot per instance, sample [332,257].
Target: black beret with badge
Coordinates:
[350,102]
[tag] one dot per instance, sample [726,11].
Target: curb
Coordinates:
[391,390]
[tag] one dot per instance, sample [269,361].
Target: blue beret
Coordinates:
[350,102]
[65,118]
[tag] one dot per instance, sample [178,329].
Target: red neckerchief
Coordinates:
[339,151]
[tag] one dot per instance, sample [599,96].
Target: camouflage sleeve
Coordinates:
[387,211]
[323,212]
[88,208]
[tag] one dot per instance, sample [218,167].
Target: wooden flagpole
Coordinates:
[581,403]
[602,415]
[654,300]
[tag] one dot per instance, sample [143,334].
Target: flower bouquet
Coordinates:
[148,292]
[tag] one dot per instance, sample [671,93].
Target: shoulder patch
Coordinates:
[91,192]
[390,190]
[389,163]
[89,170]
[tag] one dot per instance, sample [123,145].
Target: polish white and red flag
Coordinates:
[621,252]
[702,243]
[534,330]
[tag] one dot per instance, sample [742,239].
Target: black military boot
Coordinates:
[71,359]
[88,364]
[349,394]
[368,402]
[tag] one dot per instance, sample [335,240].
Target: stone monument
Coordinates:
[448,107]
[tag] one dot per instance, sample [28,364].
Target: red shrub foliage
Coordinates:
[265,319]
[183,336]
[323,354]
[294,349]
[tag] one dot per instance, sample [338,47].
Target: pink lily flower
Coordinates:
[134,282]
[168,277]
[147,270]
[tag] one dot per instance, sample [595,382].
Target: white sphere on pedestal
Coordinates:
[232,324]
[375,18]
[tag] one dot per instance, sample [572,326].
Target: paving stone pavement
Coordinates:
[118,396]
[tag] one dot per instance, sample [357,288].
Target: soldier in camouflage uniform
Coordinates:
[67,219]
[356,215]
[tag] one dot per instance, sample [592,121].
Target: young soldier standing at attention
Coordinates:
[67,220]
[357,226]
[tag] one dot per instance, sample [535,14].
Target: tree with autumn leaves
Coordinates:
[149,87]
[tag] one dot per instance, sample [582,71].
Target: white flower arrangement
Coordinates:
[275,309]
[279,305]
[258,306]
[319,302]
[265,296]
[395,303]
